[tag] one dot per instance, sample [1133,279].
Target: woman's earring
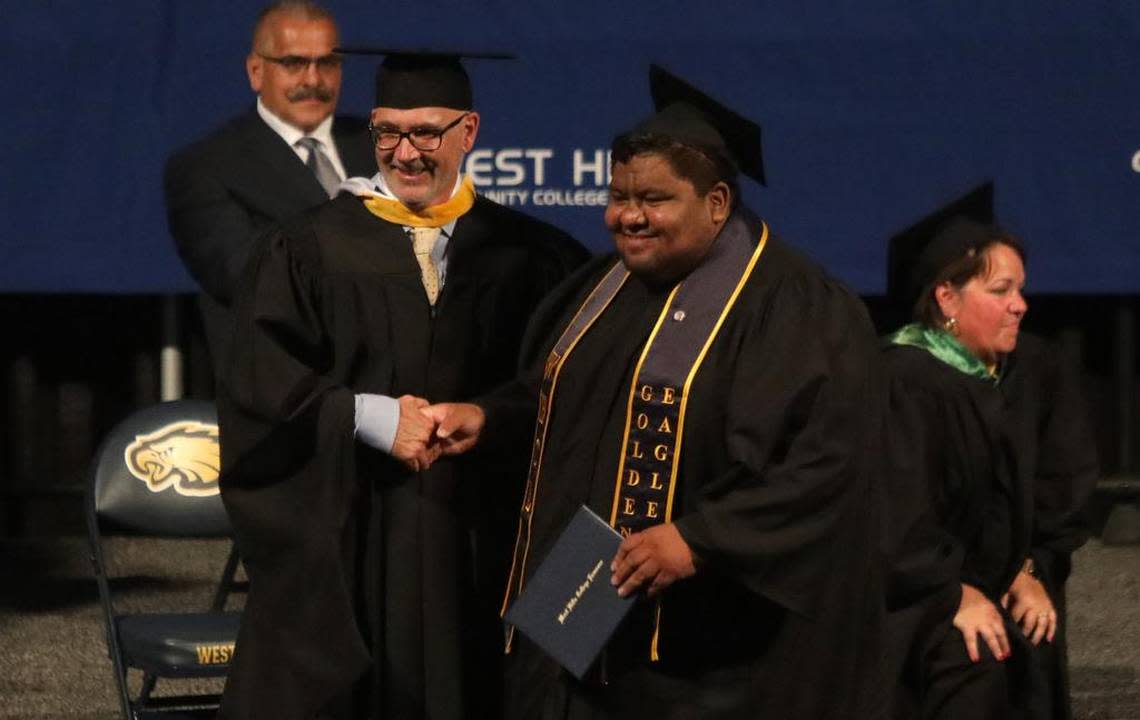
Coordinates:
[951,326]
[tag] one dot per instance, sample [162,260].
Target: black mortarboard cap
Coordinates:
[917,254]
[692,117]
[409,79]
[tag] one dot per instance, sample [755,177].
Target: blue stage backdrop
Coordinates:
[873,113]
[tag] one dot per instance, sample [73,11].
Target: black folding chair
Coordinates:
[156,476]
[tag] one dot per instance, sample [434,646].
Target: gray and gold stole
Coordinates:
[658,396]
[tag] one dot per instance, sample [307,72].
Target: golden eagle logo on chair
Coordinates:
[183,455]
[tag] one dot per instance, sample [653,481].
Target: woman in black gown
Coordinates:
[990,462]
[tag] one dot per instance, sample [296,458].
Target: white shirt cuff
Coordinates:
[377,417]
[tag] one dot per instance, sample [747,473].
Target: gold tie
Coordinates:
[423,241]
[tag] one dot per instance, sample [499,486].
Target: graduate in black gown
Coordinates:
[710,392]
[991,460]
[374,582]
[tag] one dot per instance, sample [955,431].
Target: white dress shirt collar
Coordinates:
[290,134]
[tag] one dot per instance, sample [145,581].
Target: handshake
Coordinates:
[427,431]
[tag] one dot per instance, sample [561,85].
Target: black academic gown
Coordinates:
[981,477]
[774,495]
[373,589]
[1057,451]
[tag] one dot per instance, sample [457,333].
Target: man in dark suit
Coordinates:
[283,156]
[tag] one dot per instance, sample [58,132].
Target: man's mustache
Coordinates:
[310,92]
[413,166]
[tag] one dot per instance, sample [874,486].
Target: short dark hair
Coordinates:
[304,8]
[703,167]
[974,263]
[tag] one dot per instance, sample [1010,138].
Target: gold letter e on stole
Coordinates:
[659,393]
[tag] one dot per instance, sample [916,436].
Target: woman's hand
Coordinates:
[978,617]
[1030,607]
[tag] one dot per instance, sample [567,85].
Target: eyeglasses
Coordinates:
[424,139]
[297,64]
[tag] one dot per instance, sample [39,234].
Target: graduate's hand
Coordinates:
[658,557]
[414,444]
[978,617]
[1030,607]
[458,426]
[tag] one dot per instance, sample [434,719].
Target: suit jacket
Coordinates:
[225,190]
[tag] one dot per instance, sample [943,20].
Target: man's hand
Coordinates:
[414,444]
[978,617]
[457,426]
[658,556]
[1031,608]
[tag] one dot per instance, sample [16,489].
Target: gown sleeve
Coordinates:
[1066,470]
[925,558]
[803,411]
[278,394]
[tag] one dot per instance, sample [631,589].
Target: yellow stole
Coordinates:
[396,212]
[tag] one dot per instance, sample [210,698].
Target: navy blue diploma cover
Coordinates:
[569,608]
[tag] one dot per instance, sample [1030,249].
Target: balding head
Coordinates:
[304,10]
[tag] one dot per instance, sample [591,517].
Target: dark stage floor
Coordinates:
[53,662]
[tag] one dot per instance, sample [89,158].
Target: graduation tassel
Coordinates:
[654,656]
